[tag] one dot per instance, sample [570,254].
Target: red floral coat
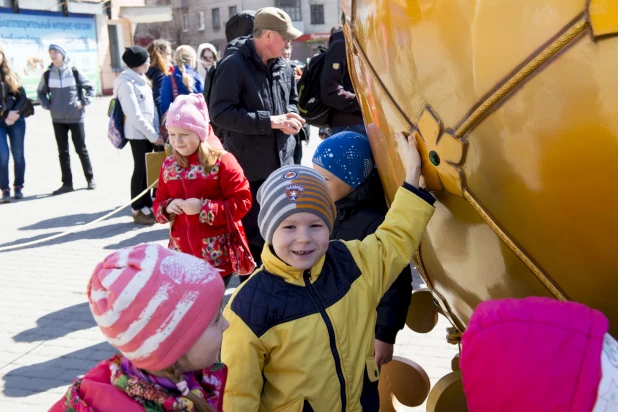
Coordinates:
[204,235]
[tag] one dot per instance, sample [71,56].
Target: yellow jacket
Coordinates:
[302,341]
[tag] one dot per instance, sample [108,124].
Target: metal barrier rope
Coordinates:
[78,228]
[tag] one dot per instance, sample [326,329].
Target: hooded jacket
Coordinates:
[337,91]
[291,344]
[167,96]
[240,24]
[135,96]
[245,93]
[62,95]
[200,68]
[533,354]
[359,215]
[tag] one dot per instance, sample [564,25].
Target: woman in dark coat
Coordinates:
[160,67]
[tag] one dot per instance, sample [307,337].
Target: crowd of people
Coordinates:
[312,325]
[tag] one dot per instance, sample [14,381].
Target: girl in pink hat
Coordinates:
[162,310]
[201,187]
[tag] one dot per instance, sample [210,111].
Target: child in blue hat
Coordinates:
[346,163]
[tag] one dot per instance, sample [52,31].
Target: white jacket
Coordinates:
[135,96]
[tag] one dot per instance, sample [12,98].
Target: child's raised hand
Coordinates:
[174,208]
[409,155]
[191,206]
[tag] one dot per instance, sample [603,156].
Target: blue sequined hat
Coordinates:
[347,155]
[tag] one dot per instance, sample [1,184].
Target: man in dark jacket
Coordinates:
[66,93]
[254,104]
[346,162]
[336,88]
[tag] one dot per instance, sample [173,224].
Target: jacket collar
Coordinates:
[132,75]
[278,267]
[249,52]
[369,191]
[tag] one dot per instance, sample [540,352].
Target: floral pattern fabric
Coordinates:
[215,250]
[156,393]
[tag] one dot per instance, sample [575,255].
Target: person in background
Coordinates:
[207,56]
[161,310]
[337,90]
[346,163]
[160,66]
[186,79]
[13,129]
[141,125]
[237,30]
[65,93]
[298,151]
[255,105]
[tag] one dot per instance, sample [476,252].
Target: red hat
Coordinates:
[153,304]
[533,354]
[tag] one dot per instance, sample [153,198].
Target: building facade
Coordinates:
[94,34]
[203,21]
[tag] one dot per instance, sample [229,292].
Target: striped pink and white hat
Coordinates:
[153,304]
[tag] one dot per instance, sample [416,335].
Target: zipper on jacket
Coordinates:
[317,301]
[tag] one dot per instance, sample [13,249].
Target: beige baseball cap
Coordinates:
[272,18]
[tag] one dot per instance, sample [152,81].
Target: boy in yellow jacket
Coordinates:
[302,327]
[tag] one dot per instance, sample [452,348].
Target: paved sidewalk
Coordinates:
[47,334]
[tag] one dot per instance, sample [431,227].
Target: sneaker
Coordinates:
[141,219]
[92,185]
[64,189]
[17,194]
[6,196]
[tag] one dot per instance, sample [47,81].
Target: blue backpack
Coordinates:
[115,132]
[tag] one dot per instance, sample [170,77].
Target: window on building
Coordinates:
[216,19]
[201,25]
[185,22]
[291,7]
[317,14]
[114,33]
[233,10]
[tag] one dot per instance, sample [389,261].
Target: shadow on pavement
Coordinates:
[55,373]
[142,237]
[58,324]
[98,232]
[68,221]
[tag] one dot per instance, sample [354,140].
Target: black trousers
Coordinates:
[250,223]
[139,148]
[78,135]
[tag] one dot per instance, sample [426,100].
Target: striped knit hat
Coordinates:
[289,190]
[153,304]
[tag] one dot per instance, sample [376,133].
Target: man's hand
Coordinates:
[408,153]
[289,123]
[174,207]
[191,206]
[383,352]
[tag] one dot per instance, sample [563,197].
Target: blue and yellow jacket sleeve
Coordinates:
[382,256]
[244,354]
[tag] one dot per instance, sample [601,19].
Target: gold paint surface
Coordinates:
[527,201]
[603,17]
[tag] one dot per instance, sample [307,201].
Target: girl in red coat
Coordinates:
[200,186]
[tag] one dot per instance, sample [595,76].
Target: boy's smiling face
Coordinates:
[301,240]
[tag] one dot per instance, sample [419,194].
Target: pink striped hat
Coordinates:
[153,304]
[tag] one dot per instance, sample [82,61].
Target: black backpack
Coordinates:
[75,74]
[310,104]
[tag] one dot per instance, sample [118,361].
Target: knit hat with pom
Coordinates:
[153,304]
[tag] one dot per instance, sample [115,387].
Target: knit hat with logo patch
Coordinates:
[153,304]
[289,190]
